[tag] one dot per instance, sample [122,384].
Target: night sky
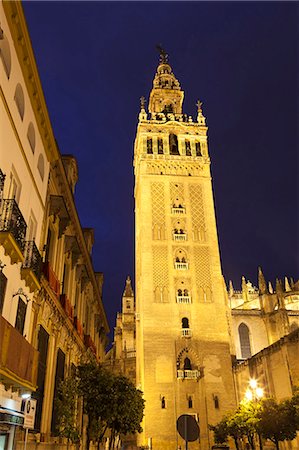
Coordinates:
[96,59]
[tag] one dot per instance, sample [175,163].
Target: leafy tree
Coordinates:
[277,421]
[66,406]
[126,410]
[220,431]
[95,384]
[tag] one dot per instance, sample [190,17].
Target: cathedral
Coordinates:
[191,344]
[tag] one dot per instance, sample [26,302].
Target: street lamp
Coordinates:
[253,394]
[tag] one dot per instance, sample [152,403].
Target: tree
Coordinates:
[220,431]
[95,384]
[127,408]
[67,412]
[277,421]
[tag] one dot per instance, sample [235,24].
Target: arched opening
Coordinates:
[244,341]
[5,55]
[185,322]
[188,147]
[41,166]
[31,136]
[149,146]
[20,101]
[198,149]
[173,145]
[187,364]
[160,146]
[190,402]
[163,403]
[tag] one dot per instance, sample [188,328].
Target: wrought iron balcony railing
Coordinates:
[178,210]
[181,265]
[12,221]
[179,237]
[33,259]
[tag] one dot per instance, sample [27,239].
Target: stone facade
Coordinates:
[183,346]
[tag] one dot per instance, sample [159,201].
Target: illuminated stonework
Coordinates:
[183,347]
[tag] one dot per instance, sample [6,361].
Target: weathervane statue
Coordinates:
[163,54]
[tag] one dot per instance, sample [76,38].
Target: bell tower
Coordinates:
[183,345]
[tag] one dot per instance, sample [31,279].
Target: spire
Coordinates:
[262,282]
[270,287]
[142,114]
[231,288]
[166,96]
[200,117]
[244,290]
[128,292]
[287,284]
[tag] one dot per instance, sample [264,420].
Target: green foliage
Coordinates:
[220,431]
[277,420]
[65,405]
[110,401]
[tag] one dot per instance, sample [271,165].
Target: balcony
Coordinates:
[79,327]
[186,332]
[183,299]
[131,353]
[52,278]
[66,304]
[18,358]
[181,265]
[32,266]
[178,211]
[90,344]
[188,374]
[12,230]
[179,237]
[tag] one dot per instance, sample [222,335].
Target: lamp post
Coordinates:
[253,394]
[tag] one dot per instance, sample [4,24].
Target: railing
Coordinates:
[89,343]
[186,332]
[12,220]
[181,265]
[178,211]
[131,353]
[66,304]
[188,374]
[180,237]
[18,358]
[183,299]
[33,259]
[52,278]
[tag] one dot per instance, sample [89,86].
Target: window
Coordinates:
[187,364]
[5,55]
[41,166]
[244,341]
[20,101]
[185,322]
[3,283]
[43,339]
[173,145]
[128,304]
[163,403]
[149,145]
[59,376]
[198,149]
[190,402]
[188,148]
[32,227]
[160,146]
[21,315]
[14,190]
[216,401]
[31,136]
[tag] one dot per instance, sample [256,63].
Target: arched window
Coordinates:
[180,292]
[160,146]
[173,145]
[187,364]
[20,101]
[149,146]
[190,402]
[31,136]
[188,148]
[5,55]
[244,341]
[41,166]
[163,403]
[198,149]
[185,322]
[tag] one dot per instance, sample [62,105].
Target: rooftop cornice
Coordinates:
[19,31]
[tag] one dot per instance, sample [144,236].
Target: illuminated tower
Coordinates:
[183,345]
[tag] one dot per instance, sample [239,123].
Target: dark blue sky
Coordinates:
[96,59]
